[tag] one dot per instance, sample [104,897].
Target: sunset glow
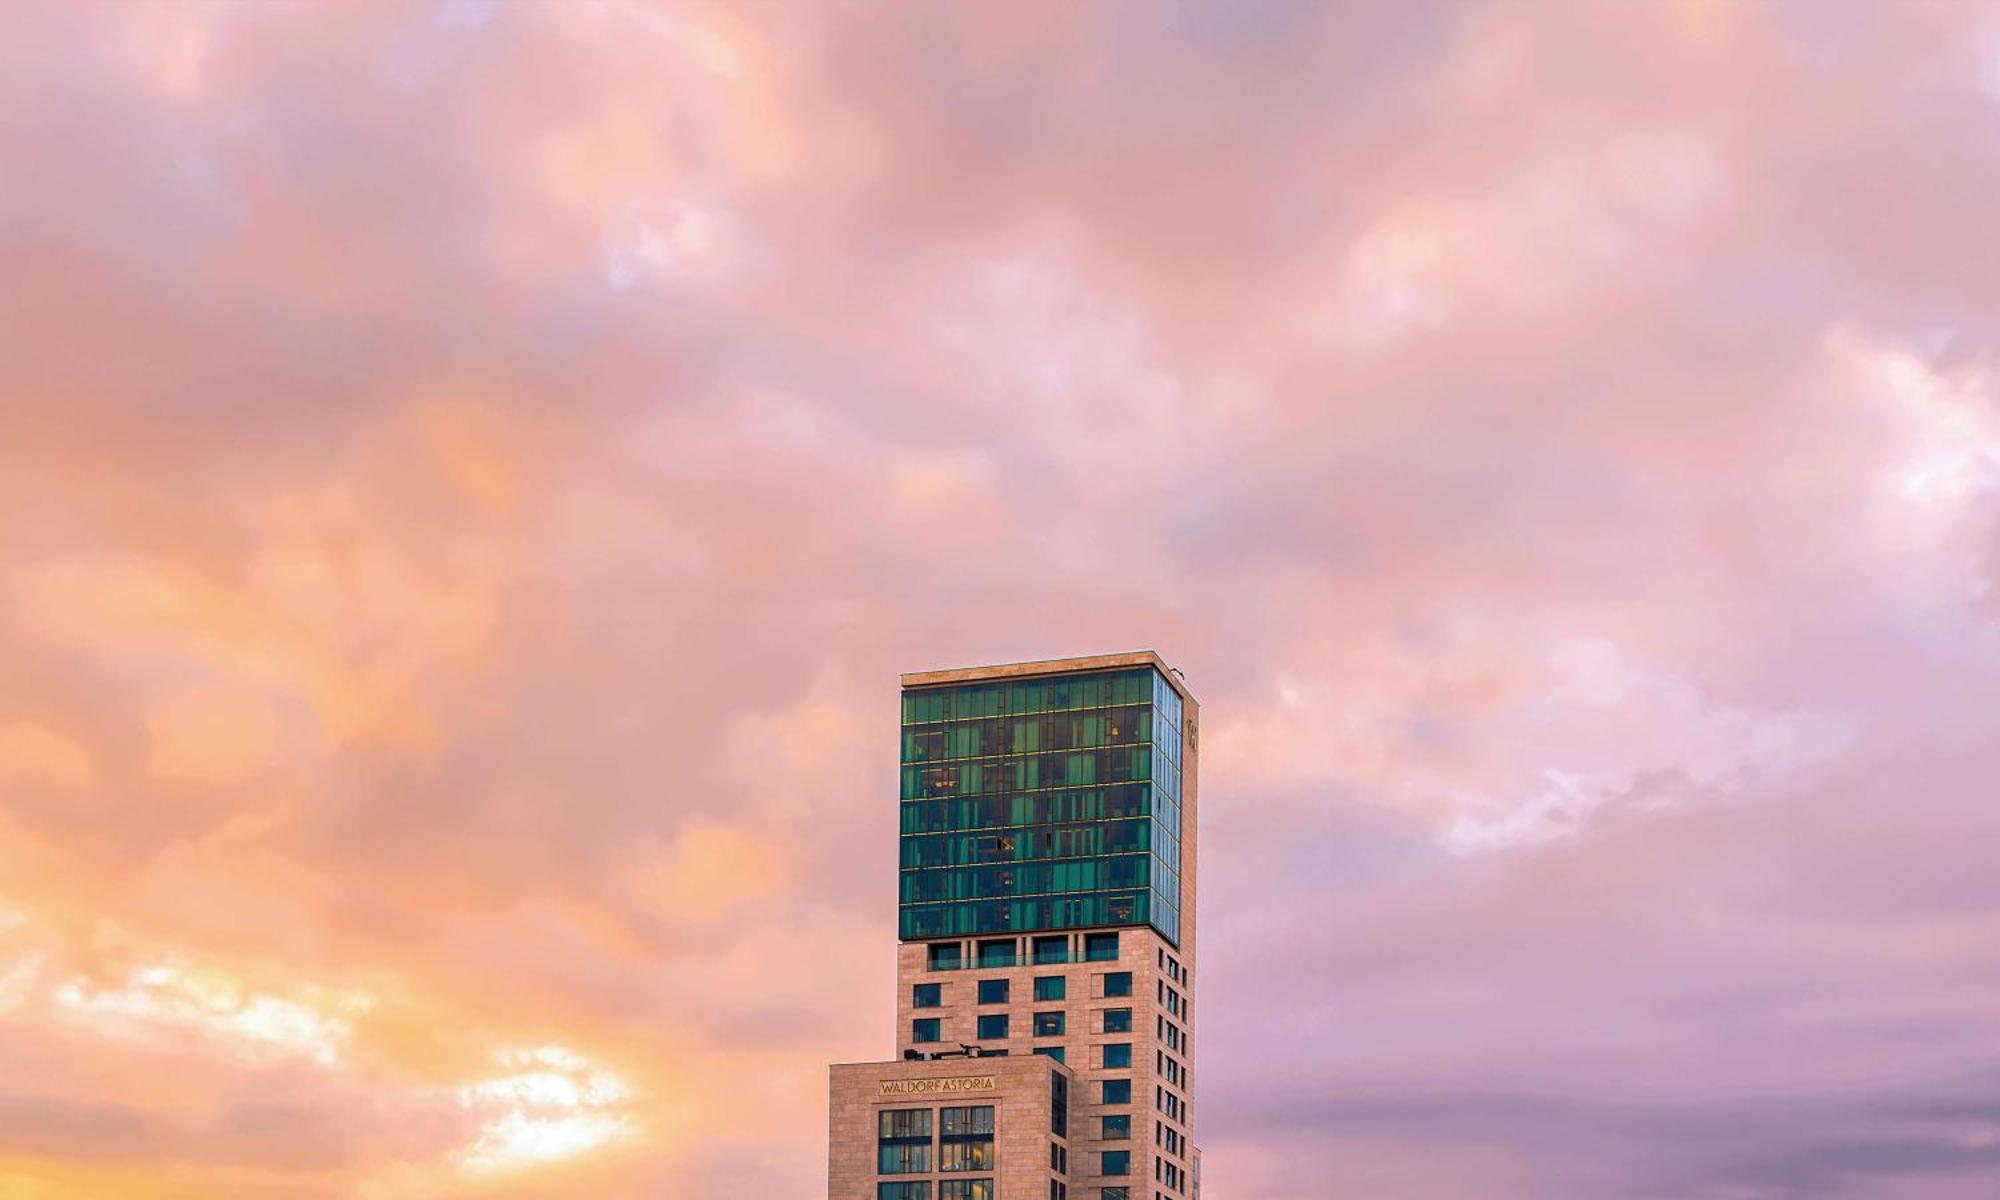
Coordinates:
[555,1106]
[471,474]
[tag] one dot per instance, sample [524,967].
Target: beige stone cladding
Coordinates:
[1141,952]
[1019,1089]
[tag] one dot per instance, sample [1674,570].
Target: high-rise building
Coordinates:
[1045,976]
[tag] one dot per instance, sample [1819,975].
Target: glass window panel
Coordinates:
[905,1123]
[1027,755]
[966,1121]
[903,1158]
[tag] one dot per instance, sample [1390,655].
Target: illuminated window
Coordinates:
[965,1138]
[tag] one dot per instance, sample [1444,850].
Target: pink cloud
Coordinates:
[474,472]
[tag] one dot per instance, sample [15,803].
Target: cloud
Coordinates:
[473,474]
[555,1106]
[169,999]
[710,870]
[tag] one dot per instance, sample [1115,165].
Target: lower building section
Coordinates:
[1112,1005]
[949,1128]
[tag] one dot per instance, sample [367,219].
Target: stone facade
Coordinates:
[1018,1088]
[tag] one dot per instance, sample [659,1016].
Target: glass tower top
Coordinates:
[1041,803]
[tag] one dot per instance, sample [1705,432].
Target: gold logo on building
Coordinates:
[912,1087]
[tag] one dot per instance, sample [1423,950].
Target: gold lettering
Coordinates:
[917,1087]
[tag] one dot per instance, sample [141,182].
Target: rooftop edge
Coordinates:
[1052,666]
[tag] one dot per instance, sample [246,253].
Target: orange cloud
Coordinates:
[472,474]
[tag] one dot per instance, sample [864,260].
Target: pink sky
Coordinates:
[470,475]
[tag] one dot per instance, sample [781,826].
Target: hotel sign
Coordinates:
[915,1087]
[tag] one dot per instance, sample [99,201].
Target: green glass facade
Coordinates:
[1041,803]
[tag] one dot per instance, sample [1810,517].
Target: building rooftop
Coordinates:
[1052,666]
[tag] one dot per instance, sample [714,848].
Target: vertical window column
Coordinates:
[903,1142]
[965,1138]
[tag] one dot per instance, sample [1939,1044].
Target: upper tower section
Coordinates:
[1044,796]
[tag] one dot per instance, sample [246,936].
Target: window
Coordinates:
[945,956]
[1117,1020]
[993,991]
[917,1189]
[926,995]
[1058,1158]
[1052,949]
[904,1123]
[1117,1055]
[966,1189]
[1078,756]
[965,1138]
[1118,1128]
[1116,1162]
[999,953]
[1055,1052]
[1050,987]
[1118,983]
[1058,1104]
[903,1142]
[925,1029]
[1115,1193]
[1115,1091]
[1048,1024]
[1100,947]
[994,1025]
